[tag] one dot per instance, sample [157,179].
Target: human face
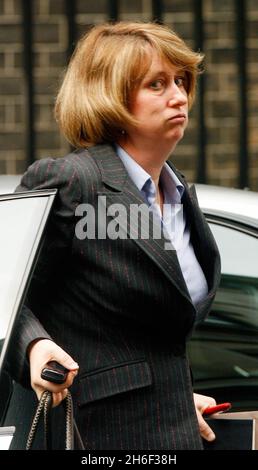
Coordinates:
[160,104]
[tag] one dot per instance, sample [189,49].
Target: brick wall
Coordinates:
[50,32]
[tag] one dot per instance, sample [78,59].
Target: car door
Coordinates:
[23,217]
[224,348]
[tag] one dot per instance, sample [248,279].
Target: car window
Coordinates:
[16,244]
[238,250]
[224,348]
[23,218]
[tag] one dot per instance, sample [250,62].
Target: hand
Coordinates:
[42,351]
[201,402]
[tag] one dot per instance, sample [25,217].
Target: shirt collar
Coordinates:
[173,192]
[139,176]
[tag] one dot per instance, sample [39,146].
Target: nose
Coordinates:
[177,96]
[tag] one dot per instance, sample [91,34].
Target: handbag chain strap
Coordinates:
[69,422]
[45,405]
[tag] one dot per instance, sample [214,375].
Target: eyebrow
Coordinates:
[163,72]
[159,72]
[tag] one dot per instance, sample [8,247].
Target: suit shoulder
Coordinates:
[88,172]
[82,160]
[58,171]
[50,173]
[44,170]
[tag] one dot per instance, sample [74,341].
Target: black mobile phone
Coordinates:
[54,372]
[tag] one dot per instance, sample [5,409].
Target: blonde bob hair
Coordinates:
[108,64]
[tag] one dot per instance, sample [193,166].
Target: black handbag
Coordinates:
[44,407]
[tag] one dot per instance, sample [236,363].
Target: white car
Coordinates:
[224,349]
[8,183]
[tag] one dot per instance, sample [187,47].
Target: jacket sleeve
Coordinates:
[45,174]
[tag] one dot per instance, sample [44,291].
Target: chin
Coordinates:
[177,136]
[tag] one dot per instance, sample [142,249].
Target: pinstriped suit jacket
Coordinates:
[121,308]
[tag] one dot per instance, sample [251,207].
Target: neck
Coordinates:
[150,158]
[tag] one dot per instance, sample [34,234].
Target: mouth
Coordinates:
[180,117]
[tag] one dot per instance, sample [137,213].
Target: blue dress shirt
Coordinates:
[175,227]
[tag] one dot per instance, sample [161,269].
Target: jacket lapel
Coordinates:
[204,241]
[201,236]
[118,188]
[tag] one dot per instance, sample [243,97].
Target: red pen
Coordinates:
[220,408]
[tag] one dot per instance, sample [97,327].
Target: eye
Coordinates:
[180,81]
[157,85]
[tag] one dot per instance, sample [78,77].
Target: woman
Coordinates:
[118,300]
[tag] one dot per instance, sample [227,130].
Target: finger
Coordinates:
[205,430]
[64,359]
[57,398]
[207,405]
[39,393]
[41,385]
[70,378]
[202,402]
[56,388]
